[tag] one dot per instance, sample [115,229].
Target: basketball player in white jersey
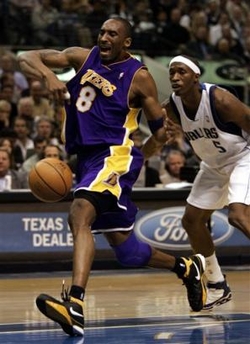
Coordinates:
[217,125]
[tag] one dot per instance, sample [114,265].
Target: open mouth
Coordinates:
[175,87]
[105,50]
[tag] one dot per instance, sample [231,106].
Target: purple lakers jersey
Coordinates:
[99,112]
[97,127]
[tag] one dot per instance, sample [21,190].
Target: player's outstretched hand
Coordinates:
[173,130]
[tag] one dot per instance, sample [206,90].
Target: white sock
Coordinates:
[213,271]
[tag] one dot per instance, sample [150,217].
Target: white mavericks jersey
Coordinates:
[216,143]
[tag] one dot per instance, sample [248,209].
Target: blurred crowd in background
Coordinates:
[30,120]
[204,28]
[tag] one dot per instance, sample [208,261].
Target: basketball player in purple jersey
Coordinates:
[107,93]
[217,125]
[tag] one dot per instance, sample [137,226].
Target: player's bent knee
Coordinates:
[132,252]
[240,222]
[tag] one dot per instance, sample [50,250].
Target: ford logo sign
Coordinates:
[163,229]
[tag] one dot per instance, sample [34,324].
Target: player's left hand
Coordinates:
[173,130]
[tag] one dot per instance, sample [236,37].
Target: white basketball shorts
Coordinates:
[216,188]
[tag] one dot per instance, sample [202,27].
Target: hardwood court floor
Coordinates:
[125,306]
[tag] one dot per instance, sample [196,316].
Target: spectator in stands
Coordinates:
[6,144]
[39,145]
[199,45]
[19,31]
[122,8]
[144,31]
[42,106]
[52,151]
[85,37]
[46,127]
[174,161]
[97,15]
[26,92]
[5,110]
[7,80]
[148,177]
[44,24]
[68,25]
[8,64]
[237,19]
[25,109]
[175,36]
[234,43]
[6,93]
[8,139]
[186,11]
[80,6]
[9,177]
[160,21]
[23,140]
[213,12]
[198,18]
[222,52]
[244,5]
[215,31]
[22,15]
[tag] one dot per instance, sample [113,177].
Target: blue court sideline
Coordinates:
[197,329]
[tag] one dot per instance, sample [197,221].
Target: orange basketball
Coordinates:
[50,180]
